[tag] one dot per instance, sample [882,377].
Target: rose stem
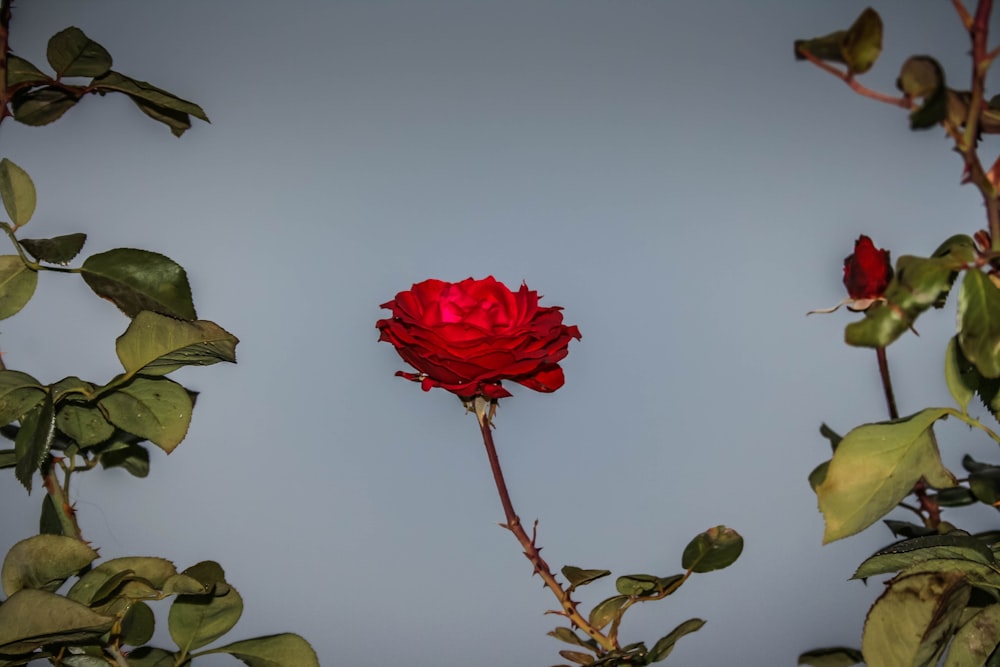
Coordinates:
[532,552]
[927,504]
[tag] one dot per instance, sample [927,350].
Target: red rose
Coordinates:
[468,337]
[868,271]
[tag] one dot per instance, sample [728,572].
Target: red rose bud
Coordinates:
[868,271]
[470,336]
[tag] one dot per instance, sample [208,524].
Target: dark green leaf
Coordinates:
[570,637]
[958,496]
[863,42]
[178,122]
[637,584]
[912,621]
[979,323]
[72,53]
[907,529]
[138,280]
[922,77]
[138,625]
[44,562]
[577,657]
[34,440]
[131,456]
[578,577]
[606,610]
[93,585]
[20,71]
[985,486]
[714,549]
[662,648]
[31,618]
[145,94]
[8,458]
[983,576]
[210,574]
[972,465]
[830,435]
[903,554]
[156,344]
[19,394]
[155,409]
[17,285]
[197,620]
[837,656]
[875,467]
[56,250]
[49,522]
[960,375]
[41,106]
[284,650]
[858,47]
[83,423]
[150,656]
[18,193]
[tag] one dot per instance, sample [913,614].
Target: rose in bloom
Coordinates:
[468,337]
[868,271]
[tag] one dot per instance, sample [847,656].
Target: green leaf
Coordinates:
[863,42]
[197,620]
[91,587]
[56,250]
[818,474]
[138,624]
[976,640]
[43,562]
[830,435]
[960,375]
[150,656]
[577,657]
[923,77]
[637,584]
[903,554]
[156,344]
[72,53]
[83,423]
[133,457]
[907,529]
[34,440]
[917,284]
[578,577]
[154,102]
[606,610]
[211,576]
[41,106]
[835,656]
[714,549]
[284,650]
[18,193]
[155,409]
[957,496]
[570,637]
[662,648]
[17,285]
[985,486]
[8,458]
[20,71]
[32,618]
[19,394]
[979,323]
[875,467]
[912,621]
[138,280]
[979,575]
[858,47]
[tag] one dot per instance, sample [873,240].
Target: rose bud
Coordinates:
[868,271]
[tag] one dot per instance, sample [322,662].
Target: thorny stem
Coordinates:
[929,510]
[531,551]
[847,77]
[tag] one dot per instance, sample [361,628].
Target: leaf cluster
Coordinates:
[108,610]
[714,549]
[37,98]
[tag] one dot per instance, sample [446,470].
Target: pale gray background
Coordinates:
[664,170]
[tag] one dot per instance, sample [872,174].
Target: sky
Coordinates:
[664,171]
